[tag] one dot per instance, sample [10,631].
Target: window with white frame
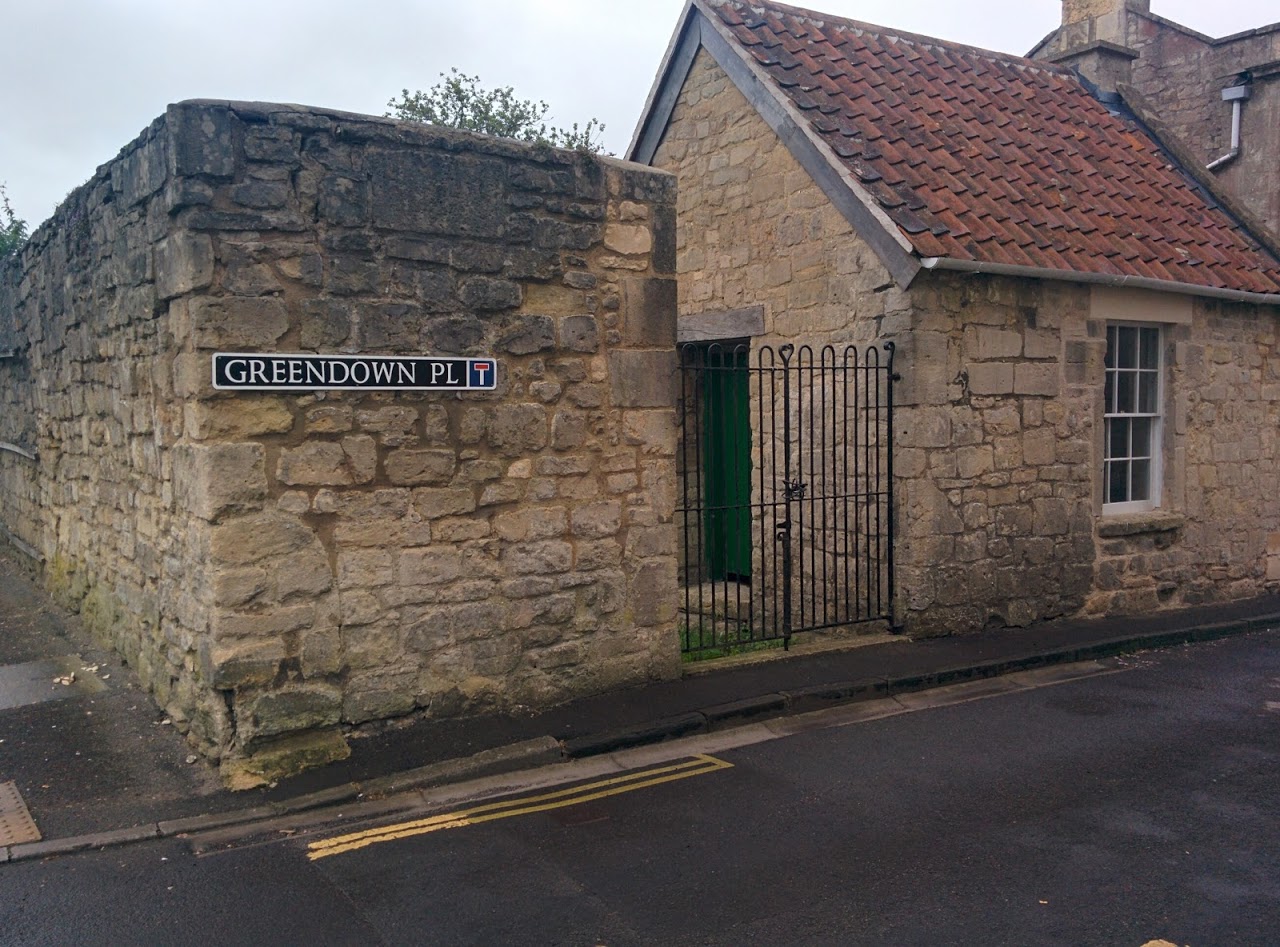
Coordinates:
[1131,465]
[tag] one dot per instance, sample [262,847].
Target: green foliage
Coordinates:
[13,230]
[459,101]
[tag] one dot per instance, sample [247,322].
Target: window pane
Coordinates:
[1150,354]
[1126,400]
[1141,480]
[1141,437]
[1109,396]
[1111,346]
[1118,437]
[1148,388]
[1127,347]
[1117,489]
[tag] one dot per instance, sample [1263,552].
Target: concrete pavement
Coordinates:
[97,763]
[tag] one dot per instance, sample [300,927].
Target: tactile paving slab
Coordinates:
[16,824]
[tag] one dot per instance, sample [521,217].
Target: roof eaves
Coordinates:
[1102,279]
[866,217]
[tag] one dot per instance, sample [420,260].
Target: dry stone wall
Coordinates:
[310,560]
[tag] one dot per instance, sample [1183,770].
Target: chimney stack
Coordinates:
[1094,39]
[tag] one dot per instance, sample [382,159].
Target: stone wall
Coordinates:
[279,564]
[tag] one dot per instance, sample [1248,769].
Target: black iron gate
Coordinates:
[786,474]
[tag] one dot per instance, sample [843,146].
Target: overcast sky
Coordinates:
[78,80]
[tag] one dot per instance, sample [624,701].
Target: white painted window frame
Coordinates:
[1156,445]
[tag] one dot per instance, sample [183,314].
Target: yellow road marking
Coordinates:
[561,798]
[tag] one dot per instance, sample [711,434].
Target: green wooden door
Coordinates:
[727,464]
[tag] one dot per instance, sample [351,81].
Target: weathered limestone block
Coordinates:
[579,333]
[974,461]
[1039,447]
[457,199]
[374,695]
[651,587]
[330,419]
[184,263]
[238,663]
[383,517]
[654,432]
[527,334]
[227,625]
[328,463]
[420,467]
[201,141]
[539,558]
[628,239]
[431,566]
[1031,378]
[432,503]
[305,572]
[569,430]
[643,379]
[300,707]
[432,625]
[233,588]
[247,539]
[238,323]
[531,523]
[142,172]
[991,378]
[343,201]
[326,324]
[596,520]
[221,478]
[516,429]
[987,342]
[486,294]
[365,568]
[242,417]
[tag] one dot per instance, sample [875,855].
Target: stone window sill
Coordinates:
[1134,524]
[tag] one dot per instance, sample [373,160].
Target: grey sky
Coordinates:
[78,80]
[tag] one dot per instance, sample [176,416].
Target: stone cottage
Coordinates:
[1088,420]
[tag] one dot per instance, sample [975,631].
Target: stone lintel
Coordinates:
[718,326]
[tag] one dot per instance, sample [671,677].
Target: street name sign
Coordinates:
[241,371]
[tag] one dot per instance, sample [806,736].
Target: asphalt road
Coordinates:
[1122,809]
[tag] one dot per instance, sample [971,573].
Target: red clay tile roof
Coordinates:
[987,157]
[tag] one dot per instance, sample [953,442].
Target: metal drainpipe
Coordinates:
[1237,95]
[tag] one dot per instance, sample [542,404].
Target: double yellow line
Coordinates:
[490,812]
